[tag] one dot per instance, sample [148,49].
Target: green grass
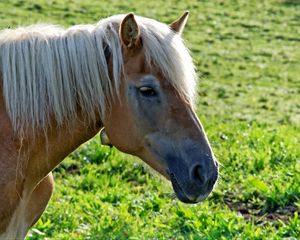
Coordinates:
[248,60]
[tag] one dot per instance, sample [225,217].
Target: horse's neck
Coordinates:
[46,152]
[21,171]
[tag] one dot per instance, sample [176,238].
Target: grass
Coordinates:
[247,56]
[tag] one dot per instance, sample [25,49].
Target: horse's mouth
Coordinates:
[182,195]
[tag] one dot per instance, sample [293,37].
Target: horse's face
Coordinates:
[154,123]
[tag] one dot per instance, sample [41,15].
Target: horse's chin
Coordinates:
[182,195]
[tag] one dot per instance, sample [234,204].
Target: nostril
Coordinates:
[198,175]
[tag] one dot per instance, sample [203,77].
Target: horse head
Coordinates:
[153,117]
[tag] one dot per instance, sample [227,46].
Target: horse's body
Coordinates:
[142,110]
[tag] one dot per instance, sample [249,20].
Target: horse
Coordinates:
[130,76]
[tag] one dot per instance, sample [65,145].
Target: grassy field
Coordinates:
[247,55]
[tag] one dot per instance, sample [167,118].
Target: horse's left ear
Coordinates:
[179,24]
[129,31]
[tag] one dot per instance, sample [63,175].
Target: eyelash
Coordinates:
[147,91]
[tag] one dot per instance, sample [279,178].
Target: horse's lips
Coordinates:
[179,191]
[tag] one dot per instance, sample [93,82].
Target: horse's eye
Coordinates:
[147,91]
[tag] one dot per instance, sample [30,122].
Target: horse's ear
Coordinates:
[179,24]
[129,31]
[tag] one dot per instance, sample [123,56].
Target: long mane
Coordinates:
[49,71]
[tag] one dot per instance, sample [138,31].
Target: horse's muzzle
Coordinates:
[193,184]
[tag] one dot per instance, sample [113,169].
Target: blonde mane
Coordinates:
[51,71]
